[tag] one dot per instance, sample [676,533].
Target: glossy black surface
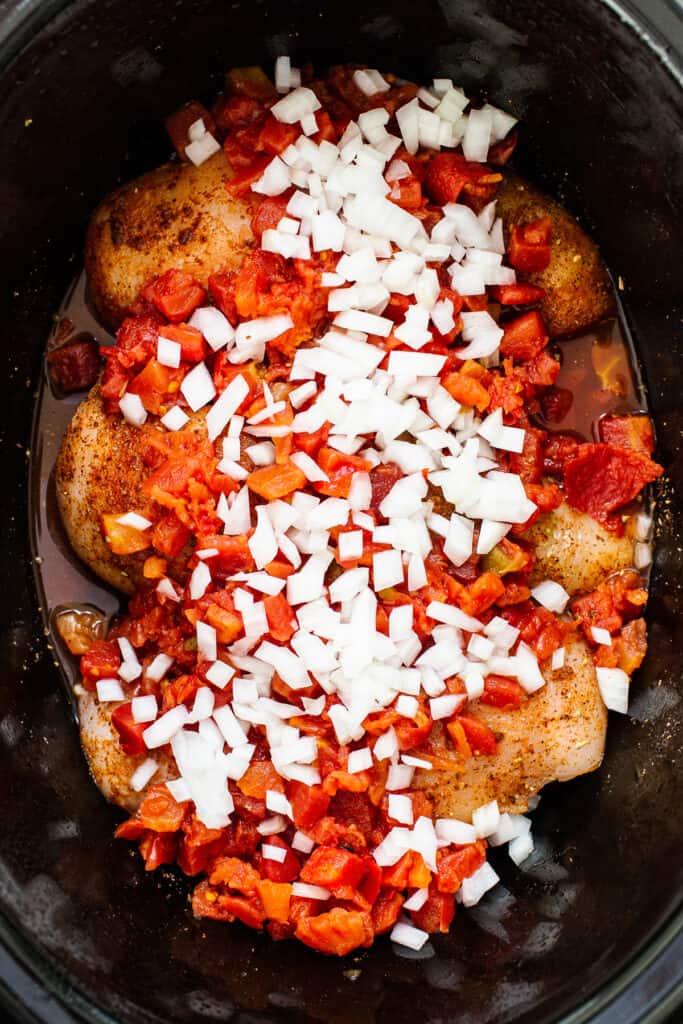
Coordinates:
[80,110]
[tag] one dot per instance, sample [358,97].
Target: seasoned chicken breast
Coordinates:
[175,216]
[577,286]
[557,734]
[100,471]
[574,550]
[109,766]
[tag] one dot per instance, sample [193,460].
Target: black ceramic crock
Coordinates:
[590,929]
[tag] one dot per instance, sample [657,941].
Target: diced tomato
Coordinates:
[467,390]
[410,871]
[169,535]
[437,913]
[240,183]
[236,112]
[176,294]
[198,845]
[281,619]
[277,481]
[480,738]
[524,337]
[275,897]
[157,849]
[386,911]
[604,477]
[528,464]
[500,152]
[519,294]
[559,449]
[121,538]
[448,173]
[222,289]
[456,865]
[312,443]
[556,404]
[234,873]
[407,193]
[326,130]
[130,732]
[286,871]
[412,733]
[248,909]
[192,344]
[336,932]
[501,692]
[309,804]
[633,431]
[333,867]
[276,136]
[74,367]
[233,554]
[382,479]
[206,902]
[260,777]
[340,468]
[542,371]
[101,660]
[151,384]
[174,474]
[529,245]
[159,811]
[268,213]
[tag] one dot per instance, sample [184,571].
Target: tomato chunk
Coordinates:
[518,294]
[176,294]
[524,337]
[130,732]
[634,431]
[337,932]
[333,867]
[529,245]
[448,173]
[272,482]
[74,367]
[604,477]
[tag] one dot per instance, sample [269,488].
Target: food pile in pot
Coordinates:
[374,607]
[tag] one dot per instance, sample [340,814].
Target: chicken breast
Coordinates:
[109,766]
[574,550]
[100,471]
[175,216]
[578,290]
[557,734]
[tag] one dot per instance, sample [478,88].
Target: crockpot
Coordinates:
[591,927]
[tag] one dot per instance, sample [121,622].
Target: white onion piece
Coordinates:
[132,409]
[198,387]
[407,935]
[613,684]
[143,774]
[165,727]
[202,149]
[551,596]
[474,887]
[175,418]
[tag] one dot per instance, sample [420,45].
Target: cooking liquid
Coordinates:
[599,376]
